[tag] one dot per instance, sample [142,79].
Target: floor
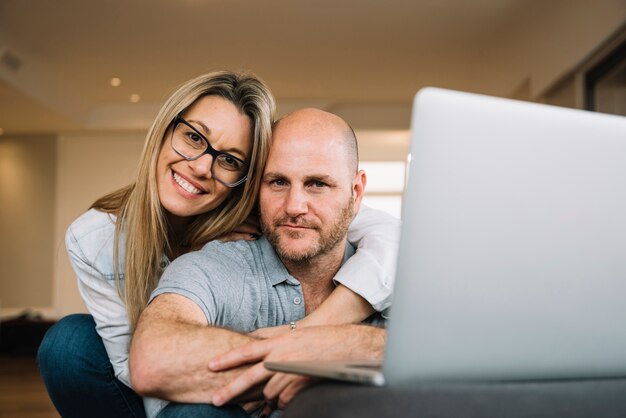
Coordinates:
[22,392]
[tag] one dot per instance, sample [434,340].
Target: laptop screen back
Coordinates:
[513,253]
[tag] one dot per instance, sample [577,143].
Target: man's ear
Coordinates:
[358,188]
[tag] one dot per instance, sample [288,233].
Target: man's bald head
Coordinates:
[316,123]
[311,188]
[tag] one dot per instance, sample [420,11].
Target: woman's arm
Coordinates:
[103,302]
[365,281]
[371,271]
[366,278]
[343,306]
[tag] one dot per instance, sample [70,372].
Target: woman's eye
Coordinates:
[194,137]
[229,162]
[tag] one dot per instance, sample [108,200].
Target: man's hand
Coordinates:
[314,343]
[280,387]
[279,390]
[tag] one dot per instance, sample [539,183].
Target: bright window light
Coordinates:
[390,204]
[384,176]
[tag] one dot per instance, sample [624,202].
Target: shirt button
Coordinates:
[297,300]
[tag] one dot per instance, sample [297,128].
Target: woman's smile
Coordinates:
[187,185]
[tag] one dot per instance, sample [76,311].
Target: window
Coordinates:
[605,83]
[385,185]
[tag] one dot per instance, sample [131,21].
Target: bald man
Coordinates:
[310,192]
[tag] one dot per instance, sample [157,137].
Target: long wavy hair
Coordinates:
[141,226]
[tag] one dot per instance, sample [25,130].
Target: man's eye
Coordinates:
[319,184]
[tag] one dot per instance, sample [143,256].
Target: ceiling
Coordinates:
[362,59]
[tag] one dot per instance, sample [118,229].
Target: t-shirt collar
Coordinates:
[273,263]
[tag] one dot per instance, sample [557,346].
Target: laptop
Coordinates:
[512,263]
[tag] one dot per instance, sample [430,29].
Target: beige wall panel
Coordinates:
[27,192]
[567,93]
[90,165]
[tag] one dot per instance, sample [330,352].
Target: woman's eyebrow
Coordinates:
[206,130]
[235,150]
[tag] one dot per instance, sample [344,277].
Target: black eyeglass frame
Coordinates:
[209,150]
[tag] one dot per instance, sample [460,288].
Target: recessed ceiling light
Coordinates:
[116,81]
[134,98]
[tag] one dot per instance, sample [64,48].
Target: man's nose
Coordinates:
[297,202]
[202,166]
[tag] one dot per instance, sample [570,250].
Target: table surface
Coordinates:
[564,398]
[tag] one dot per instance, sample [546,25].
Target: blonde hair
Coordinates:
[140,216]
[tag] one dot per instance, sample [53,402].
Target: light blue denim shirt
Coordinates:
[89,242]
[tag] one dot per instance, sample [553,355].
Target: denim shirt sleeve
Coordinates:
[89,242]
[370,272]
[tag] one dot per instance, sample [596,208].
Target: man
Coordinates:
[310,192]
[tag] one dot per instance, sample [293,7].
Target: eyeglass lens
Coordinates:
[191,145]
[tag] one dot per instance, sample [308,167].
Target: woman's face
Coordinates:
[187,188]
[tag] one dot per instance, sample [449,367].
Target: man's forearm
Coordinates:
[169,356]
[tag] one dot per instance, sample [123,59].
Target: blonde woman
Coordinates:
[198,180]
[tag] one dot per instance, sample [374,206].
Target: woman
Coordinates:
[180,200]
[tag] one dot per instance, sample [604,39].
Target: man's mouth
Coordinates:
[297,226]
[188,187]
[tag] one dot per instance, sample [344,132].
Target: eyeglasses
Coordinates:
[191,145]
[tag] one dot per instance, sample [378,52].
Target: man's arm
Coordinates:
[339,342]
[171,349]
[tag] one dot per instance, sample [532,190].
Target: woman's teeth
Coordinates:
[186,185]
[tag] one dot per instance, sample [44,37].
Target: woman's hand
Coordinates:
[249,230]
[270,332]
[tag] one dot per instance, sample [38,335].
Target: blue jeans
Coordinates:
[78,374]
[187,410]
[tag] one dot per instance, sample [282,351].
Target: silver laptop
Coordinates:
[513,253]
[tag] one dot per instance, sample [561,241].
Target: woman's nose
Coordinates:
[202,166]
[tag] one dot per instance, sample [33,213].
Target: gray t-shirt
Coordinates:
[239,285]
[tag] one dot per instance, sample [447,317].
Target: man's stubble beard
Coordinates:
[327,241]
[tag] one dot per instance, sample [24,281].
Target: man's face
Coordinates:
[308,194]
